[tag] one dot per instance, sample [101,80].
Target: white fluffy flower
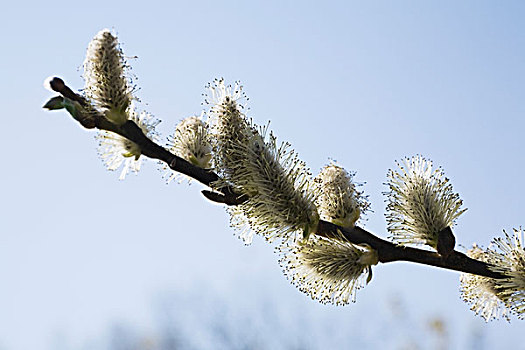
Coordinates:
[328,270]
[491,297]
[106,83]
[190,142]
[420,202]
[507,255]
[481,292]
[278,184]
[116,150]
[338,200]
[230,129]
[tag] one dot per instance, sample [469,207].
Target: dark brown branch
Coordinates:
[150,149]
[387,251]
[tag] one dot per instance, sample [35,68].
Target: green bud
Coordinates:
[54,103]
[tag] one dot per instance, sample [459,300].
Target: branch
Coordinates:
[387,251]
[150,149]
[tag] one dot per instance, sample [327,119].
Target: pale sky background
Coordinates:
[365,83]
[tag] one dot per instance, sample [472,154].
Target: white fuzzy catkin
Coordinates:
[338,200]
[106,81]
[328,270]
[191,142]
[481,292]
[492,298]
[507,256]
[277,182]
[116,150]
[420,202]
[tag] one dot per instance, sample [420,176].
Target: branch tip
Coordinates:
[56,84]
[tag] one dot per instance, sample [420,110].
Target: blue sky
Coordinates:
[362,83]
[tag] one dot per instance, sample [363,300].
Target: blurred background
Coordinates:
[91,262]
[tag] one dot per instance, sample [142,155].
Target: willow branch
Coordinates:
[448,258]
[150,149]
[389,252]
